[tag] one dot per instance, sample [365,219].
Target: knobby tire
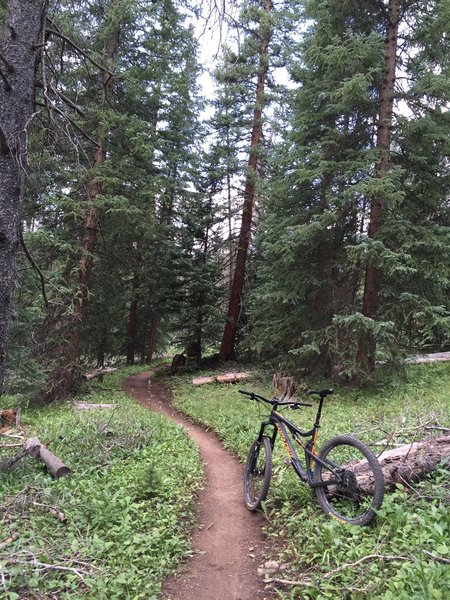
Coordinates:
[257,473]
[360,494]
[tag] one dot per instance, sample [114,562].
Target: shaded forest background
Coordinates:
[304,224]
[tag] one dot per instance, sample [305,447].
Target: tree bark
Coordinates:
[19,57]
[227,349]
[366,343]
[132,321]
[151,340]
[92,213]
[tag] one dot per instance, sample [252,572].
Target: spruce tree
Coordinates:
[341,202]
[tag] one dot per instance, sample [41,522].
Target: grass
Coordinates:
[124,513]
[413,527]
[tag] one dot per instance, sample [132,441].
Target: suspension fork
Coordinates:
[262,430]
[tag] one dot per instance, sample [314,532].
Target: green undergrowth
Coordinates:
[118,525]
[403,555]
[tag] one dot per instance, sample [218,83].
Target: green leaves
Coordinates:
[126,505]
[333,559]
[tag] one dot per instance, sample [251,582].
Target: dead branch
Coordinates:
[79,50]
[52,510]
[50,106]
[43,567]
[436,428]
[35,267]
[12,538]
[441,559]
[309,583]
[68,101]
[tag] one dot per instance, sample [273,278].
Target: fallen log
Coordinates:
[226,378]
[87,406]
[99,373]
[54,464]
[407,464]
[411,462]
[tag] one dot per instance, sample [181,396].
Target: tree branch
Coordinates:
[68,101]
[309,583]
[79,50]
[35,267]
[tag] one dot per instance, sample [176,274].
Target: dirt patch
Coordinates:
[228,540]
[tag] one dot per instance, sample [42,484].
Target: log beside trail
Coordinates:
[54,464]
[407,464]
[99,373]
[226,378]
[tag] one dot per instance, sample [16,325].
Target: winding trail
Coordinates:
[228,540]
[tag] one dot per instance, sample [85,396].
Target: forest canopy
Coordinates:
[302,220]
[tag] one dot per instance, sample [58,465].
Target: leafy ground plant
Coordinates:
[118,525]
[406,553]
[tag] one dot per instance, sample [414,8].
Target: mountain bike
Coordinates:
[345,474]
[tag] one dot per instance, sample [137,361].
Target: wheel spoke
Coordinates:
[353,490]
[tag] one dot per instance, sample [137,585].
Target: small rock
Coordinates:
[269,567]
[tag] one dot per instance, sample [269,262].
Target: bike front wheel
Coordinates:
[350,488]
[257,473]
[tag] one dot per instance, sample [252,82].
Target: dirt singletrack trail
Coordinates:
[227,540]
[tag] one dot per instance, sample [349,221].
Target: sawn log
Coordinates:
[226,378]
[54,465]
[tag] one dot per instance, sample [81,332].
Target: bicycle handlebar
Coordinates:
[272,401]
[254,396]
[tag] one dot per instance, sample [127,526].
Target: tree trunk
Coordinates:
[65,376]
[227,348]
[132,321]
[92,213]
[151,340]
[367,344]
[19,56]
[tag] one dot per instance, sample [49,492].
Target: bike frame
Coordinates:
[285,428]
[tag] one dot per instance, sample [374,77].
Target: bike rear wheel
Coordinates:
[355,494]
[257,473]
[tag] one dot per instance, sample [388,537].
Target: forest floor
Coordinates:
[228,543]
